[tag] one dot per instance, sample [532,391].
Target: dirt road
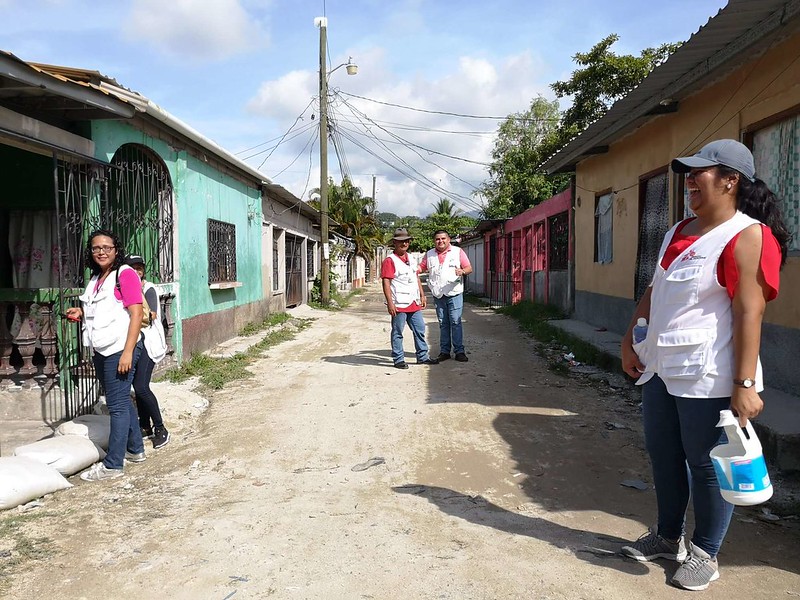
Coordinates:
[496,479]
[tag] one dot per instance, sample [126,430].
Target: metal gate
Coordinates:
[131,197]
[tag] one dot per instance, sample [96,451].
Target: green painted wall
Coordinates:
[201,192]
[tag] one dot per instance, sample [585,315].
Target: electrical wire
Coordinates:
[398,140]
[309,142]
[451,114]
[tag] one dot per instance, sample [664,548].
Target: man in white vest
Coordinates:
[404,300]
[446,266]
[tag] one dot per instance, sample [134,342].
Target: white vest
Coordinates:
[404,285]
[154,338]
[690,335]
[106,320]
[442,278]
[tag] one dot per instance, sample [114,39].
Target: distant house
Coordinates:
[737,77]
[224,245]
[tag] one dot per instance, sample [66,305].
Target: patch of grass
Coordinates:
[270,321]
[475,299]
[535,319]
[215,373]
[18,547]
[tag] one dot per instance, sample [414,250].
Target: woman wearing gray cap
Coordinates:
[714,276]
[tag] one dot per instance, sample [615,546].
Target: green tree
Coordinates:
[423,229]
[354,216]
[603,78]
[515,180]
[526,140]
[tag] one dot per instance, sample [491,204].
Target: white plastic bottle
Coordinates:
[740,466]
[640,330]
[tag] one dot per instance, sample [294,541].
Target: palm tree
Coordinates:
[355,216]
[445,207]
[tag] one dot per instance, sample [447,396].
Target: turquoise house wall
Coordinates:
[201,191]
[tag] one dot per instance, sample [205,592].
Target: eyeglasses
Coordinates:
[103,249]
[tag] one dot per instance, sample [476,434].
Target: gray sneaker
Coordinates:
[135,458]
[98,472]
[651,546]
[697,572]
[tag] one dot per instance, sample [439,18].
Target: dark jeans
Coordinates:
[679,433]
[125,433]
[146,401]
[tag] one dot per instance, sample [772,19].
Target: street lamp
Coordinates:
[322,23]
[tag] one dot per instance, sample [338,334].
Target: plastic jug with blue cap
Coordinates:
[739,464]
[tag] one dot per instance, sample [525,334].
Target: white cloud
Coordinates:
[408,184]
[195,31]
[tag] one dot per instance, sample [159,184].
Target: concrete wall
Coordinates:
[728,108]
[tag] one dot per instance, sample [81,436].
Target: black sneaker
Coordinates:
[461,357]
[160,437]
[400,365]
[147,433]
[430,361]
[442,356]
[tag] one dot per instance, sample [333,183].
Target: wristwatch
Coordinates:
[745,383]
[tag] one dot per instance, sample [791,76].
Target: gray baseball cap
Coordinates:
[728,153]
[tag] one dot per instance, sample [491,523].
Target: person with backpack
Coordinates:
[111,313]
[155,348]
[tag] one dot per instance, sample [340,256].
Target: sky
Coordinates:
[245,73]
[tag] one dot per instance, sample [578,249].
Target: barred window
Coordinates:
[559,242]
[311,253]
[221,251]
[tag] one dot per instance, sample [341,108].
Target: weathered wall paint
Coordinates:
[202,191]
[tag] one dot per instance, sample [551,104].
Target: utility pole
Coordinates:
[323,162]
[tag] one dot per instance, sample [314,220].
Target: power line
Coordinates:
[451,114]
[405,143]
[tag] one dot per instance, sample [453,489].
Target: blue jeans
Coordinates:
[448,311]
[125,433]
[680,432]
[417,325]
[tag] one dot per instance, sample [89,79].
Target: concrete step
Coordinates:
[778,426]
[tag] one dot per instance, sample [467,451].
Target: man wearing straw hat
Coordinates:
[404,300]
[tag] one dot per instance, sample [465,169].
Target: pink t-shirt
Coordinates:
[130,286]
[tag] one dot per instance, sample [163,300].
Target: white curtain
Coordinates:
[34,248]
[605,228]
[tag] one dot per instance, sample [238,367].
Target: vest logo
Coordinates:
[692,255]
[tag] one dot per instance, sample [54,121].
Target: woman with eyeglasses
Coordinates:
[111,309]
[715,274]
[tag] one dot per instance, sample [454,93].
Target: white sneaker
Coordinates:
[99,471]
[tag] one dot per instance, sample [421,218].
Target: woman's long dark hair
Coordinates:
[756,200]
[119,257]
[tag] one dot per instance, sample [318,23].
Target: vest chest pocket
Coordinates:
[685,353]
[682,285]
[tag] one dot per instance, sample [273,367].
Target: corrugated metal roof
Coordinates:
[735,35]
[290,200]
[23,85]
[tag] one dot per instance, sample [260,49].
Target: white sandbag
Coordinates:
[94,427]
[67,454]
[23,479]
